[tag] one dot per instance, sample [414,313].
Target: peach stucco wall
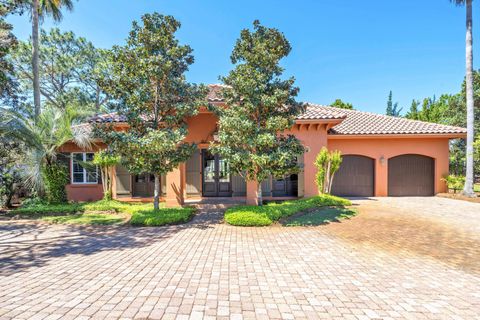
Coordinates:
[313,136]
[436,148]
[82,192]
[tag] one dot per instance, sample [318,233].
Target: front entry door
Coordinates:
[143,185]
[216,176]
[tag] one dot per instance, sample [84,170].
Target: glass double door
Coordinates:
[216,176]
[143,185]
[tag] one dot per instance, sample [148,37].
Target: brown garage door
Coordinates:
[410,175]
[355,178]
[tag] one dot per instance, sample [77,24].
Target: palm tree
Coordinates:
[42,138]
[468,188]
[40,9]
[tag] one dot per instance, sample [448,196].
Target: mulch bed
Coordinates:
[458,196]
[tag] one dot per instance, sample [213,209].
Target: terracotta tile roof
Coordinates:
[315,111]
[367,123]
[353,122]
[214,93]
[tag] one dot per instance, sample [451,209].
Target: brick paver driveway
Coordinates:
[399,258]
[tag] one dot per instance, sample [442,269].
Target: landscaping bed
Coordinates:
[104,212]
[257,216]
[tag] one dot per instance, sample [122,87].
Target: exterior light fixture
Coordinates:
[382,160]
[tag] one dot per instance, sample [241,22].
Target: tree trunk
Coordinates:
[156,192]
[35,60]
[259,194]
[468,188]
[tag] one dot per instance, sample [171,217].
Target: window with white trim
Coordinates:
[83,174]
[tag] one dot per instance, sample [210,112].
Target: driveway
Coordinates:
[415,258]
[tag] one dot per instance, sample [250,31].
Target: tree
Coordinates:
[261,106]
[148,81]
[41,139]
[327,164]
[469,174]
[392,108]
[433,110]
[69,67]
[8,85]
[338,103]
[41,9]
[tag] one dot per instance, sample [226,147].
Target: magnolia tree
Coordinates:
[327,164]
[261,106]
[148,81]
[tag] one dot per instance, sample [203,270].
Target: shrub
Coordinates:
[106,161]
[454,182]
[161,217]
[327,164]
[267,214]
[56,178]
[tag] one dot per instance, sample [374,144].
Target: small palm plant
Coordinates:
[42,139]
[327,164]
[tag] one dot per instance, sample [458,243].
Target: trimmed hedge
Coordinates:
[257,216]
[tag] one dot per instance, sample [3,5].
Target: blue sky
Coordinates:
[350,49]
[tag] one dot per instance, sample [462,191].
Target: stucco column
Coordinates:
[381,176]
[251,197]
[314,137]
[176,181]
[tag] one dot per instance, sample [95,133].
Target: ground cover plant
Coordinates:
[104,212]
[273,212]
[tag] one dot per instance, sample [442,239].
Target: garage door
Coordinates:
[410,175]
[355,178]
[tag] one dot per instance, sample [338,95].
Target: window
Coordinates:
[85,173]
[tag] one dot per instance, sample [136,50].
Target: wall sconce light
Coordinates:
[382,160]
[215,136]
[307,149]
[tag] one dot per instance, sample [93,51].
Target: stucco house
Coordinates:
[382,156]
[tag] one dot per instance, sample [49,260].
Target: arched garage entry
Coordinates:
[411,175]
[355,177]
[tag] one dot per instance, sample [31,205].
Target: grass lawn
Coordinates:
[476,187]
[321,216]
[105,212]
[86,218]
[255,216]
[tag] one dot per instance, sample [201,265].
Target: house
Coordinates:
[382,156]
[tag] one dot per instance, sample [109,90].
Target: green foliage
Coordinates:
[272,212]
[56,178]
[261,106]
[86,218]
[322,216]
[10,170]
[476,153]
[327,164]
[432,110]
[106,161]
[40,140]
[392,108]
[69,70]
[148,80]
[8,42]
[105,212]
[161,217]
[454,182]
[338,103]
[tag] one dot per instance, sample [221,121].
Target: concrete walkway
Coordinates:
[205,269]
